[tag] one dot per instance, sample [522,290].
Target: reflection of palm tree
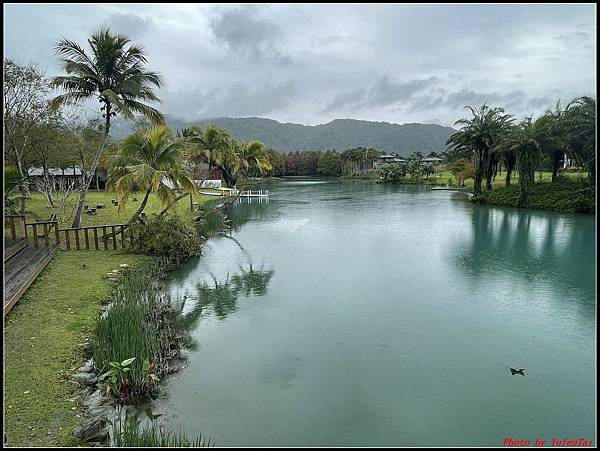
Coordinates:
[222,297]
[506,245]
[252,281]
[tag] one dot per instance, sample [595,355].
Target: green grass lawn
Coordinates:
[111,214]
[44,329]
[41,346]
[443,178]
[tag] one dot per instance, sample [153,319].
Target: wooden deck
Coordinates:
[21,269]
[11,247]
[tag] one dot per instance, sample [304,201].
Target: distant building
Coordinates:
[70,173]
[434,161]
[384,160]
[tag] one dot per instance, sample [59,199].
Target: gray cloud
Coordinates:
[313,63]
[130,24]
[346,100]
[387,91]
[245,33]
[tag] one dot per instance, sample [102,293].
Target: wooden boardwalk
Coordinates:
[22,264]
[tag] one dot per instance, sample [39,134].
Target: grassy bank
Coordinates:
[42,335]
[446,178]
[569,196]
[113,214]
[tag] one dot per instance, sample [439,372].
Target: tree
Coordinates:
[393,173]
[277,162]
[330,163]
[579,126]
[25,107]
[527,139]
[477,136]
[414,165]
[12,181]
[210,144]
[253,157]
[151,161]
[58,193]
[114,73]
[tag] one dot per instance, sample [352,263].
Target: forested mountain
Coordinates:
[338,134]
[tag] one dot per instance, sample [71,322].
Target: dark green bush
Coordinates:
[565,195]
[167,237]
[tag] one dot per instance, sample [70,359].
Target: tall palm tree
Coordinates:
[114,72]
[478,135]
[579,125]
[253,157]
[151,161]
[528,140]
[558,146]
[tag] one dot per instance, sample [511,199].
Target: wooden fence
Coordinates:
[100,237]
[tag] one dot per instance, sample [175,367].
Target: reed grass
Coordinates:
[129,433]
[138,323]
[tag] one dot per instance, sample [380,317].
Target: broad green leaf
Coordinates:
[127,362]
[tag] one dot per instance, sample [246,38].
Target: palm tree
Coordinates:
[579,125]
[558,147]
[478,135]
[208,144]
[253,157]
[114,73]
[151,161]
[528,140]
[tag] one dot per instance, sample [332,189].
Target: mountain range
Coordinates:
[339,134]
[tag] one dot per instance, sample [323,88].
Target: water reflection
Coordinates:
[221,297]
[249,209]
[528,247]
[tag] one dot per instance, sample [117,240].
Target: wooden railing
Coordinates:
[100,237]
[12,226]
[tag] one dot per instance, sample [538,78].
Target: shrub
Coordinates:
[167,237]
[565,195]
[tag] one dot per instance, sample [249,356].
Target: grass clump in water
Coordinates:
[137,325]
[129,433]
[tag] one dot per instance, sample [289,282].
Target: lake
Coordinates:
[353,313]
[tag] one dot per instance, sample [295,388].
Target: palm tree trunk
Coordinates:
[142,206]
[90,174]
[524,180]
[508,176]
[556,165]
[489,171]
[177,199]
[478,176]
[510,167]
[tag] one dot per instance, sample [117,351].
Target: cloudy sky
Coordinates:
[313,63]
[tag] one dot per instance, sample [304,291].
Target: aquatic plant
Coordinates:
[129,433]
[138,331]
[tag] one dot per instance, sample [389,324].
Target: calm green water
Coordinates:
[350,313]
